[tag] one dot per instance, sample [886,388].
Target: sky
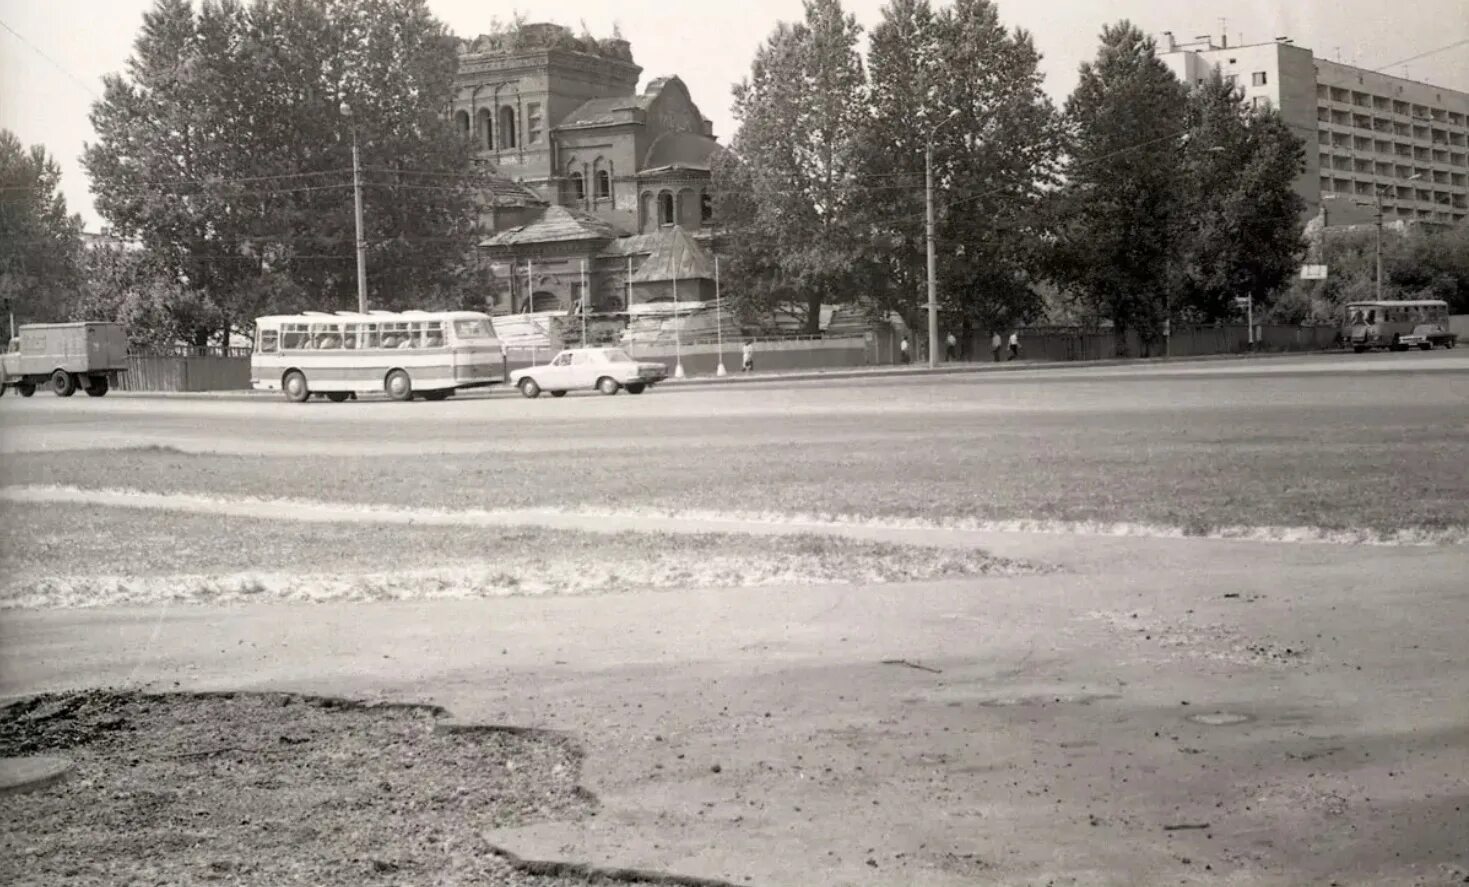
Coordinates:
[51,73]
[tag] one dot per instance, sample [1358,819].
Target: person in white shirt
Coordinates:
[951,347]
[747,357]
[1014,345]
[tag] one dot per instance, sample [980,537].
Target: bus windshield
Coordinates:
[472,329]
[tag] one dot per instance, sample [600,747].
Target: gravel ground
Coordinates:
[279,789]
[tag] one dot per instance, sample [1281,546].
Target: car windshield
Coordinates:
[616,355]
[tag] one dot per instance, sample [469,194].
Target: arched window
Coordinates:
[687,206]
[647,217]
[461,122]
[486,129]
[578,188]
[666,214]
[507,127]
[706,207]
[604,184]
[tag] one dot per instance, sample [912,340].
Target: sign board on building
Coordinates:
[1313,272]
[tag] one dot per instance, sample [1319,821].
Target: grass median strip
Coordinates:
[80,555]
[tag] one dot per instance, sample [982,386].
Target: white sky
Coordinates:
[710,45]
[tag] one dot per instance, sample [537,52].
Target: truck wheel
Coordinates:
[25,389]
[294,385]
[63,384]
[398,385]
[96,386]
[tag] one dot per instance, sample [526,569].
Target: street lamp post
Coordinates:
[933,299]
[1377,196]
[357,201]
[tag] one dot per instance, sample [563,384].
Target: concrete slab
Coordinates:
[28,774]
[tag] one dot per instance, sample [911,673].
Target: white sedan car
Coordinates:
[605,369]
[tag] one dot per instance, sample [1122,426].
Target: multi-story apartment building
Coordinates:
[1368,135]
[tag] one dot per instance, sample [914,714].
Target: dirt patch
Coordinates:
[280,788]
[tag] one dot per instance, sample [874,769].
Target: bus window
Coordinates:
[326,336]
[471,329]
[367,336]
[269,341]
[295,337]
[1371,315]
[433,335]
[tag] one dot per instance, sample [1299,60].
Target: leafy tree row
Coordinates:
[1141,200]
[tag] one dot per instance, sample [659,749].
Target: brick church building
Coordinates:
[601,194]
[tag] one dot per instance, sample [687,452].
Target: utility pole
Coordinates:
[933,298]
[1377,191]
[357,200]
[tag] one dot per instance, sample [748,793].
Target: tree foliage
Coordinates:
[1421,262]
[40,242]
[224,150]
[1241,216]
[1118,215]
[958,75]
[790,188]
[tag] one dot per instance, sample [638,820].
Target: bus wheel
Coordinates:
[63,384]
[25,389]
[294,385]
[399,386]
[338,396]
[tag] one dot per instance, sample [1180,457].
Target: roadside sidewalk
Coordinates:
[813,375]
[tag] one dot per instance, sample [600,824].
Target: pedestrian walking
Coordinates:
[951,347]
[903,350]
[747,357]
[996,345]
[1014,345]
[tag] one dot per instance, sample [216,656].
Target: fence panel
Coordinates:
[177,372]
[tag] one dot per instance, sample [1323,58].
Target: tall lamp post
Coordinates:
[357,200]
[1377,197]
[933,298]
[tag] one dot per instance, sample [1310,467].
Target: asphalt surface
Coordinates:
[1160,711]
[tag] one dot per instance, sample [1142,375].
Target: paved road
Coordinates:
[1304,702]
[505,422]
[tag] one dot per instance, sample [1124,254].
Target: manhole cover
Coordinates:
[1219,719]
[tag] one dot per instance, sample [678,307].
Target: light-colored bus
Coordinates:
[428,354]
[1398,325]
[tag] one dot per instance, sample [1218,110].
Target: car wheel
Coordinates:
[529,388]
[607,385]
[558,393]
[25,389]
[338,396]
[398,386]
[294,385]
[63,384]
[635,388]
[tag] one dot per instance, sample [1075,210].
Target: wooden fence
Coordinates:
[193,372]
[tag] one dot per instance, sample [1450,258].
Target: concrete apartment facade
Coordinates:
[1367,134]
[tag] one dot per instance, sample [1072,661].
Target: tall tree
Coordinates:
[959,76]
[225,151]
[1118,213]
[40,242]
[800,113]
[1242,216]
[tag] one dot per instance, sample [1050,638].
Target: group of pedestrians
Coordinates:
[951,348]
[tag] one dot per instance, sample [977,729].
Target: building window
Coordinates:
[507,127]
[1258,78]
[706,207]
[461,122]
[487,129]
[1259,103]
[578,188]
[604,184]
[666,214]
[1230,80]
[533,123]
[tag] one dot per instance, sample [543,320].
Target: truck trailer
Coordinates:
[64,357]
